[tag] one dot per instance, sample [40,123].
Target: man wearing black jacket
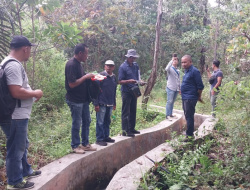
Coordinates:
[105,103]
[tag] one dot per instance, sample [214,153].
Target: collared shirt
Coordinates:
[108,90]
[191,83]
[173,74]
[127,72]
[73,71]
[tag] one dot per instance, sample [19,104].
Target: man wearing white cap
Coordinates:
[105,103]
[129,74]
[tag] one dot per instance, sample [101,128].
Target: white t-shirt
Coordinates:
[16,75]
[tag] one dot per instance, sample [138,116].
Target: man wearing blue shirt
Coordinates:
[105,103]
[191,89]
[129,73]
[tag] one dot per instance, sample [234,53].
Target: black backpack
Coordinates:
[7,102]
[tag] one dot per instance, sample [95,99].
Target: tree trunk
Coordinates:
[34,51]
[216,34]
[203,49]
[153,75]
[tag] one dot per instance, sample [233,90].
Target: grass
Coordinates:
[226,163]
[50,133]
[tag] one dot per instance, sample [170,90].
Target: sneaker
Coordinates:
[88,148]
[101,143]
[22,185]
[135,131]
[35,173]
[173,116]
[78,150]
[168,118]
[128,134]
[109,140]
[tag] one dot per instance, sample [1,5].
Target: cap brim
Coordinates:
[136,56]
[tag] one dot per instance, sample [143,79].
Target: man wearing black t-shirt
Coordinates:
[77,99]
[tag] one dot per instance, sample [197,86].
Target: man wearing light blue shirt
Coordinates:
[173,85]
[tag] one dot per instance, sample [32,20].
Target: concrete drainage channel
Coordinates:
[94,170]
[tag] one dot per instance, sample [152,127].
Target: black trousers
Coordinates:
[189,111]
[129,104]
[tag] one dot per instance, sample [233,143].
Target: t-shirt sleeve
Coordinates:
[220,74]
[70,74]
[13,72]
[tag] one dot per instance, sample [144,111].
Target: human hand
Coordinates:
[114,107]
[212,92]
[38,94]
[142,83]
[89,76]
[200,100]
[97,108]
[131,81]
[180,92]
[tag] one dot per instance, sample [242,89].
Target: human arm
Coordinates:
[208,73]
[169,65]
[199,84]
[219,80]
[80,80]
[20,93]
[129,81]
[122,78]
[97,108]
[199,96]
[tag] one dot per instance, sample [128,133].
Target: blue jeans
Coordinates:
[80,116]
[171,97]
[17,165]
[189,111]
[102,122]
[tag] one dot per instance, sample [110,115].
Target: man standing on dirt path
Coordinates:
[129,75]
[16,128]
[191,90]
[76,81]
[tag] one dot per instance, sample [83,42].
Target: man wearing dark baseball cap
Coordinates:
[20,41]
[15,126]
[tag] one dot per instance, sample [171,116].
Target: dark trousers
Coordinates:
[189,111]
[129,104]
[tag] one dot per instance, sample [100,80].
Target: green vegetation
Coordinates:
[221,160]
[110,28]
[50,133]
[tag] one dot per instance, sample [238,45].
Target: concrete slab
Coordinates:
[94,170]
[128,177]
